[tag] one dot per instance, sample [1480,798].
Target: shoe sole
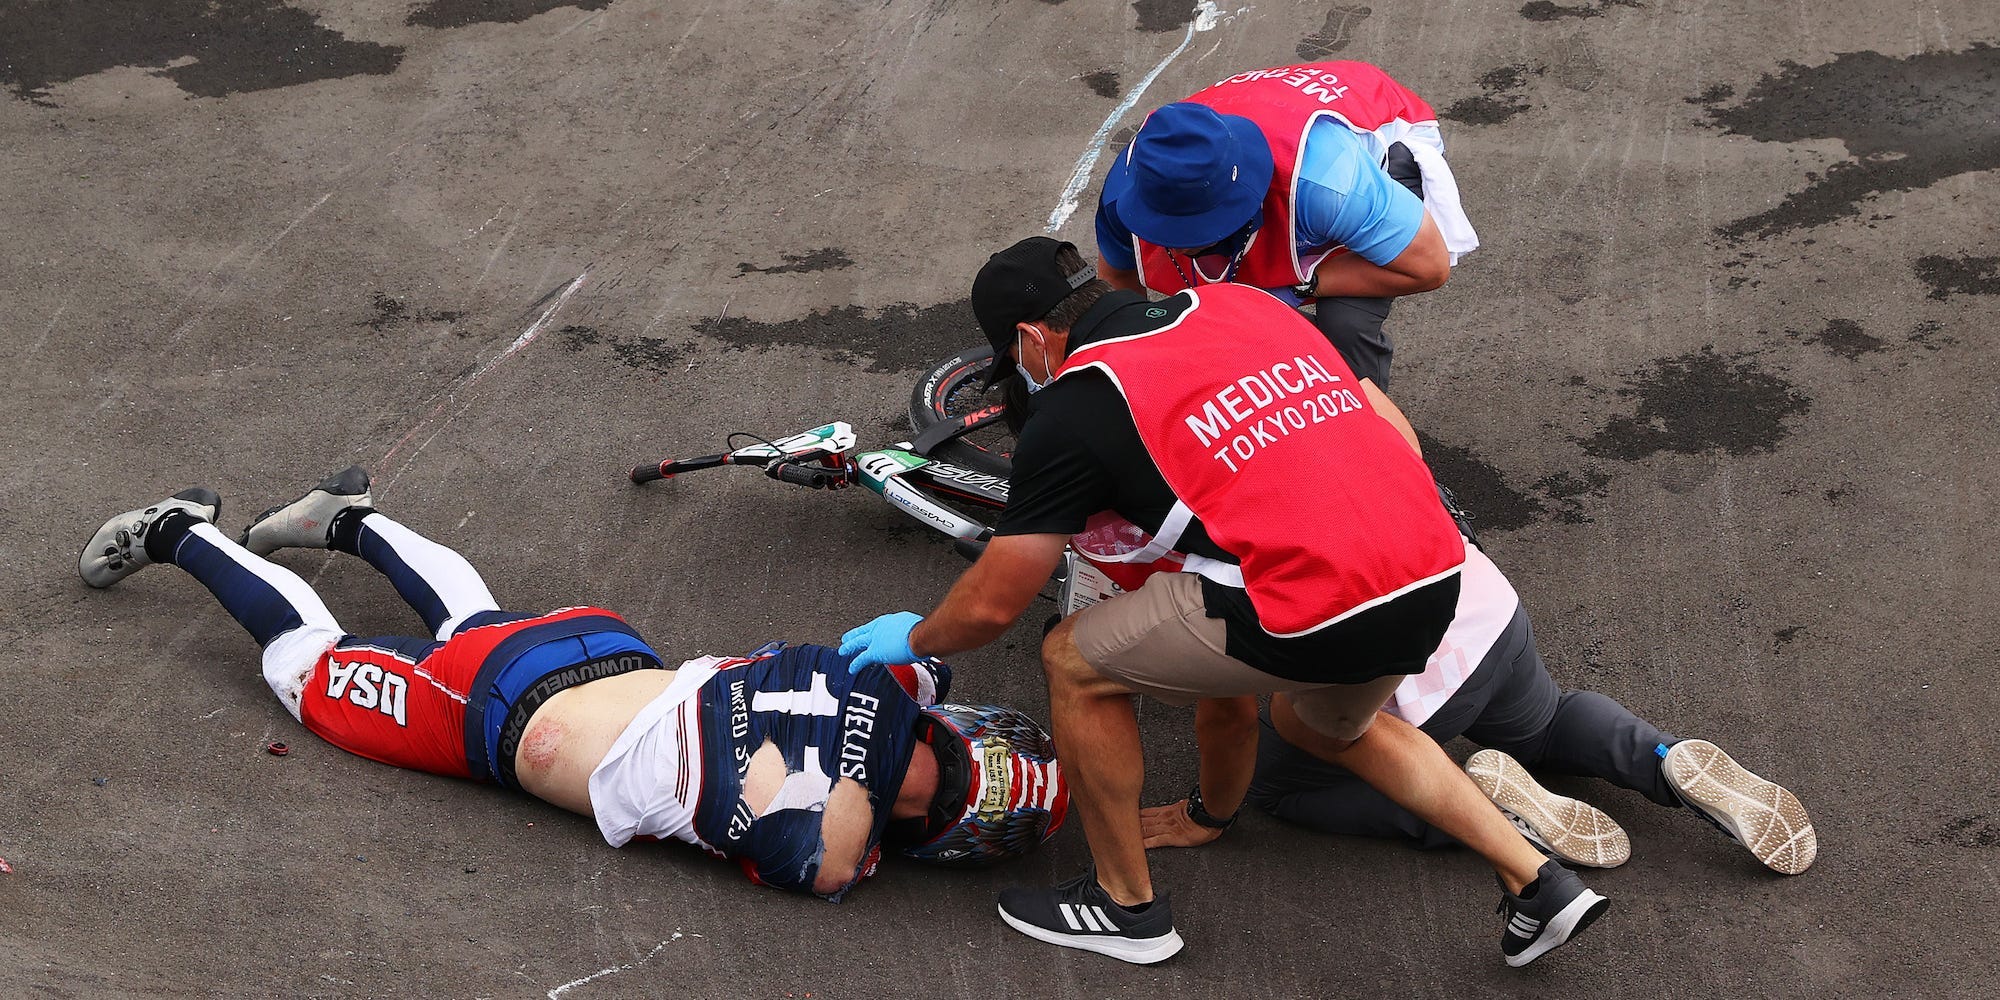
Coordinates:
[1573,920]
[1763,816]
[1573,831]
[1138,951]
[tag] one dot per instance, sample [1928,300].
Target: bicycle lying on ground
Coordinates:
[958,458]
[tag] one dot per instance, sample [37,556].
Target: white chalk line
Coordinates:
[601,973]
[527,337]
[36,347]
[1207,15]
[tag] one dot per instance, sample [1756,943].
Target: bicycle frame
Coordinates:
[820,458]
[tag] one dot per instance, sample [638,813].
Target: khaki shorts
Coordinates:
[1159,641]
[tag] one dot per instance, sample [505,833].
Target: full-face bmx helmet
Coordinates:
[1000,793]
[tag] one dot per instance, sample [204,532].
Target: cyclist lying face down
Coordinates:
[780,760]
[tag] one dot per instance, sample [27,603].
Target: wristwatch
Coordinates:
[1200,815]
[1309,290]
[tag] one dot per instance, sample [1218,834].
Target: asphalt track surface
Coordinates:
[1721,383]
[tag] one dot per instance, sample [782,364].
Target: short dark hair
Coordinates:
[1071,308]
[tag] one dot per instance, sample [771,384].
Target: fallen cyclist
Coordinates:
[780,760]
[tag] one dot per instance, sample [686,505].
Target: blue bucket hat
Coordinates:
[1191,177]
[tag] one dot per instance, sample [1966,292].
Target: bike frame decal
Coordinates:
[835,437]
[878,467]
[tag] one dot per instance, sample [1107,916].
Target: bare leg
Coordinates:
[1097,734]
[1225,730]
[1412,769]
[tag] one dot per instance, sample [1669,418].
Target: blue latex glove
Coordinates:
[885,640]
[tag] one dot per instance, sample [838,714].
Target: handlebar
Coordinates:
[818,477]
[673,467]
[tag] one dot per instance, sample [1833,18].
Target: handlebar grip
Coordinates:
[647,474]
[786,472]
[970,548]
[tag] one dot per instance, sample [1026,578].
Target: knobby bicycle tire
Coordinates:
[951,388]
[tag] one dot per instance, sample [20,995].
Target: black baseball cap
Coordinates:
[1020,284]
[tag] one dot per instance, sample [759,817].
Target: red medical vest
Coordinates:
[1284,102]
[1263,433]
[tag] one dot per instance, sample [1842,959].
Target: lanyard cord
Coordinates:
[1228,273]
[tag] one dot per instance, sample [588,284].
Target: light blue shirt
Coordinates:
[1345,198]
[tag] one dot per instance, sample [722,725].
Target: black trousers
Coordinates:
[1354,327]
[1511,704]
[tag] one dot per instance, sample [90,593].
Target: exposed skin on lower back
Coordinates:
[573,730]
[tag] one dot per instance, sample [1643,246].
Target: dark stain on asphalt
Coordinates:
[1965,831]
[391,311]
[1501,101]
[234,45]
[1907,122]
[1103,83]
[458,13]
[1334,34]
[1700,402]
[1926,336]
[824,259]
[1715,94]
[1784,636]
[1569,489]
[1163,15]
[1481,489]
[1843,337]
[648,354]
[896,338]
[1949,276]
[1543,10]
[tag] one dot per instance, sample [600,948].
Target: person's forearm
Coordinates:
[1421,266]
[962,622]
[990,596]
[1350,275]
[1225,729]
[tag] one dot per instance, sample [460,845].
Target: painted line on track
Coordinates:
[556,300]
[1206,16]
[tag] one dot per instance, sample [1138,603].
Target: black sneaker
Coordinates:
[1080,914]
[1555,908]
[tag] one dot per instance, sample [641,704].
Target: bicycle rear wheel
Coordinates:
[951,389]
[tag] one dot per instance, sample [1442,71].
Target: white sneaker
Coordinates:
[1573,831]
[1761,815]
[307,523]
[118,550]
